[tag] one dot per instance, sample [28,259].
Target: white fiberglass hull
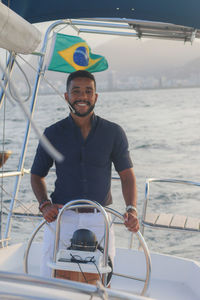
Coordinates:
[171,277]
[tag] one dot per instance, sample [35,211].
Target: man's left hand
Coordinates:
[131,221]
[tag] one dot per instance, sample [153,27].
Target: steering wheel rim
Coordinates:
[144,247]
[115,213]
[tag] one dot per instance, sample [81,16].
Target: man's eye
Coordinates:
[89,92]
[75,92]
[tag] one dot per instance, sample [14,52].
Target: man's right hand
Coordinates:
[50,212]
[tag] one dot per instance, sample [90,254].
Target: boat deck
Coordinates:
[171,277]
[171,221]
[159,289]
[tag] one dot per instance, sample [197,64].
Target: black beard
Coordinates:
[91,107]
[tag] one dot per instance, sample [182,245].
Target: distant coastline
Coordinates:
[106,90]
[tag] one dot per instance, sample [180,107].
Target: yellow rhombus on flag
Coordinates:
[71,53]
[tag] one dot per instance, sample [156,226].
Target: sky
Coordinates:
[95,40]
[99,41]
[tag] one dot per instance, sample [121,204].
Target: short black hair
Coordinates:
[80,73]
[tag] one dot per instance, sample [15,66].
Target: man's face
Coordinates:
[82,96]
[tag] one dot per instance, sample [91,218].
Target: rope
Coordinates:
[27,81]
[43,77]
[47,81]
[43,140]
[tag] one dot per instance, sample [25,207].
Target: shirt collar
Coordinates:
[93,120]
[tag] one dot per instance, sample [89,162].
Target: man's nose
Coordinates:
[83,94]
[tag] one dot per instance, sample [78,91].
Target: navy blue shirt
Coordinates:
[85,172]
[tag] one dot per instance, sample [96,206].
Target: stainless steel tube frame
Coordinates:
[162,180]
[145,249]
[112,211]
[77,204]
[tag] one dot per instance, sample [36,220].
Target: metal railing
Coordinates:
[57,284]
[147,193]
[104,210]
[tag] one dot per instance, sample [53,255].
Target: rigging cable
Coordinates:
[26,209]
[2,158]
[43,140]
[44,78]
[48,82]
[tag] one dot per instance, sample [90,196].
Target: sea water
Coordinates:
[162,127]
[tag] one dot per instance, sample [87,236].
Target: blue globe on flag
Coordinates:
[81,57]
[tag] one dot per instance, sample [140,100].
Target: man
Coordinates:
[90,145]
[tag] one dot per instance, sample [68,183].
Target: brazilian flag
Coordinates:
[71,53]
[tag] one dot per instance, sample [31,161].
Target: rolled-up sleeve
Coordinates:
[42,161]
[120,154]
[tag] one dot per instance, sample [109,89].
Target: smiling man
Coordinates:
[81,94]
[90,145]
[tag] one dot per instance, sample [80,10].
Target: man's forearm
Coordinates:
[48,209]
[39,187]
[129,189]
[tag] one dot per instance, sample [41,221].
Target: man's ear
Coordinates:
[66,96]
[96,97]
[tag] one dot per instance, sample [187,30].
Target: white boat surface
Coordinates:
[171,277]
[137,274]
